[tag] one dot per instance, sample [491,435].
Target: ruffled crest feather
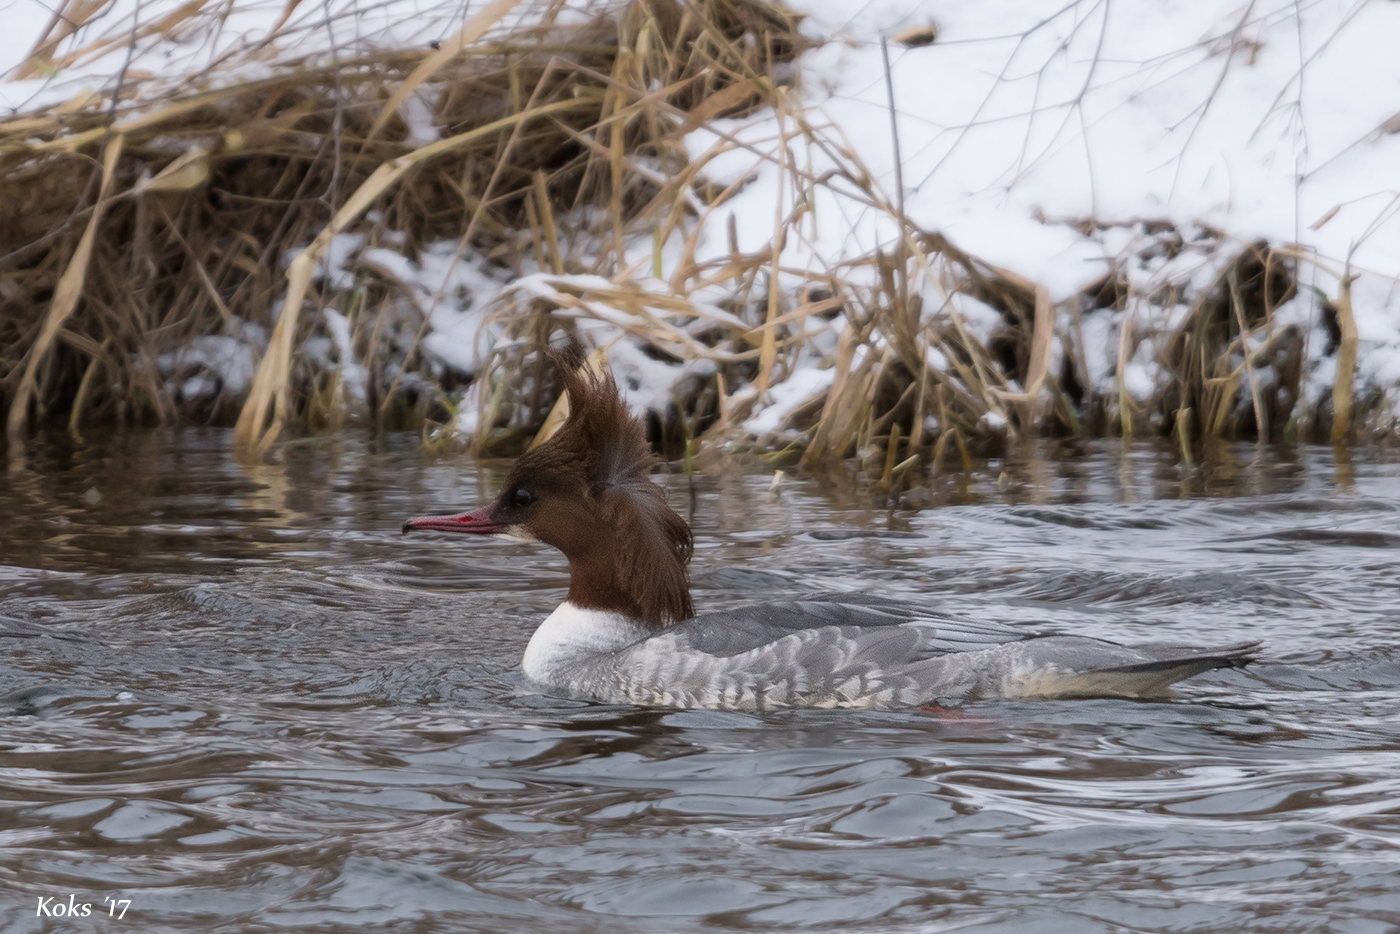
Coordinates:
[651,544]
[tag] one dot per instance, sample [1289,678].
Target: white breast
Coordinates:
[572,636]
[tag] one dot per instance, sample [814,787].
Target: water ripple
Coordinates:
[238,697]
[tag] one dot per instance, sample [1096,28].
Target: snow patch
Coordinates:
[787,396]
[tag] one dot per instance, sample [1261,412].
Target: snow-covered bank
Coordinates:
[1108,215]
[1121,155]
[1271,119]
[1144,142]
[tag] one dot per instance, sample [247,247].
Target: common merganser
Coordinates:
[627,632]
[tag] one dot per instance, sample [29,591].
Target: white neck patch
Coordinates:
[572,634]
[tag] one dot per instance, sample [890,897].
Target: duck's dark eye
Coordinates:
[522,498]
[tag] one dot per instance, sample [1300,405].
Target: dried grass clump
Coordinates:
[134,229]
[1213,374]
[1234,367]
[898,367]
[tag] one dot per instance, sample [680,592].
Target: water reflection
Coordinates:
[235,695]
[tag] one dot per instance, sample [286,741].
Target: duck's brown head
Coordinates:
[587,492]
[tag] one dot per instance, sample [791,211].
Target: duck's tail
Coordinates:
[1070,667]
[1170,663]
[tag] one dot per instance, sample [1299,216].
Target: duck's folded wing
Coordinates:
[866,620]
[825,666]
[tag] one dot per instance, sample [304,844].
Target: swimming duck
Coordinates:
[627,632]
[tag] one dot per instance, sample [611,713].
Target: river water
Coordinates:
[236,699]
